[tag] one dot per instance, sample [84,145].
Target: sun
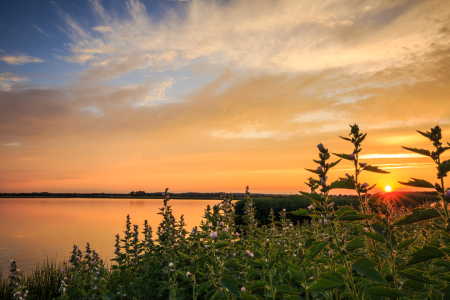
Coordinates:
[387,188]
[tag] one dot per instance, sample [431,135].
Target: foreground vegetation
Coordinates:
[373,251]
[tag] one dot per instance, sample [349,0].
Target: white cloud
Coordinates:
[20,59]
[7,79]
[13,144]
[280,36]
[247,133]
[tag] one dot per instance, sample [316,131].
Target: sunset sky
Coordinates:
[209,95]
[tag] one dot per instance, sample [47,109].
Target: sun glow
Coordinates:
[387,188]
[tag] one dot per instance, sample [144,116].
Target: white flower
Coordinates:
[237,233]
[170,264]
[310,207]
[242,289]
[213,234]
[187,274]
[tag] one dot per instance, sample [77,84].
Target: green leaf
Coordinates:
[419,151]
[327,281]
[446,291]
[356,243]
[379,228]
[418,215]
[366,267]
[444,167]
[375,169]
[230,283]
[381,291]
[349,183]
[359,141]
[300,212]
[297,275]
[334,163]
[344,138]
[418,183]
[386,268]
[344,209]
[406,243]
[247,296]
[315,250]
[416,286]
[344,156]
[373,236]
[426,253]
[314,171]
[221,245]
[338,183]
[349,216]
[204,286]
[312,196]
[258,284]
[232,264]
[416,275]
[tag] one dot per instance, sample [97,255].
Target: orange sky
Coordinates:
[218,95]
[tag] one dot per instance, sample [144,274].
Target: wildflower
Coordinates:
[363,165]
[310,207]
[221,223]
[322,183]
[447,194]
[365,185]
[242,289]
[352,156]
[95,288]
[236,233]
[330,253]
[206,246]
[365,229]
[321,147]
[217,250]
[187,274]
[343,251]
[325,222]
[213,234]
[320,169]
[348,175]
[331,205]
[170,264]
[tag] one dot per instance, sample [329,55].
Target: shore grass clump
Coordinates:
[372,250]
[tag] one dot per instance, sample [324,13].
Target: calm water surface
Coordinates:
[32,229]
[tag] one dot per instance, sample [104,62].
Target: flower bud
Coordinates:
[364,185]
[320,169]
[213,234]
[322,183]
[321,147]
[447,194]
[310,207]
[325,222]
[343,251]
[352,156]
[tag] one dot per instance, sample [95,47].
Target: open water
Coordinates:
[32,229]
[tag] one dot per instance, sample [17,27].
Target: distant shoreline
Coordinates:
[178,196]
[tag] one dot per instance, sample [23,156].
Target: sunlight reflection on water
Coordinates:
[32,229]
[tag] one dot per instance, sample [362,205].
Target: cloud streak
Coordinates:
[20,59]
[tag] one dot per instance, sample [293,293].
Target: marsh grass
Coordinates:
[42,281]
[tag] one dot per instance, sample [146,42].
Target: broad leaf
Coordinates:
[373,236]
[344,156]
[356,243]
[327,281]
[338,183]
[246,296]
[375,169]
[366,267]
[381,291]
[419,151]
[230,283]
[418,215]
[233,263]
[344,209]
[406,243]
[315,250]
[221,245]
[348,216]
[417,276]
[313,196]
[348,184]
[359,141]
[334,163]
[300,212]
[425,254]
[418,183]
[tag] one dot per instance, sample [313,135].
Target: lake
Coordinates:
[32,229]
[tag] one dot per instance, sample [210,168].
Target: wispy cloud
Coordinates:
[281,36]
[20,59]
[398,155]
[41,31]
